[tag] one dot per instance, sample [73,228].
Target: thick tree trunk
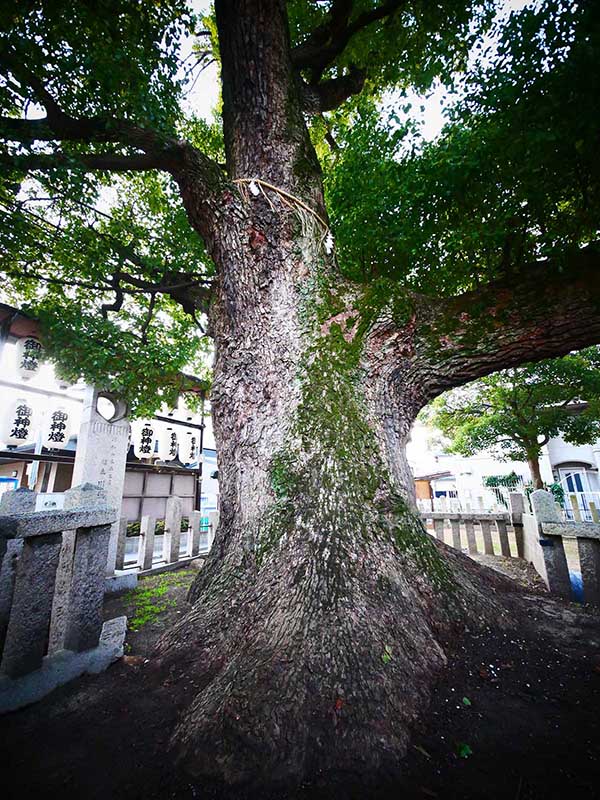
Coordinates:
[320,619]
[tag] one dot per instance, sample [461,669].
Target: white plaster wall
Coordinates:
[560,452]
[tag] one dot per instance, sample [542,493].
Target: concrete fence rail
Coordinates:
[476,532]
[157,552]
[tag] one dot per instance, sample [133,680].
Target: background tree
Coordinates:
[454,259]
[514,413]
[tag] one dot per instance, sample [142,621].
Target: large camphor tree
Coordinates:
[323,615]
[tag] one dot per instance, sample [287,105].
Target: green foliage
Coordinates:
[510,480]
[108,57]
[413,46]
[71,242]
[513,177]
[64,274]
[515,412]
[557,492]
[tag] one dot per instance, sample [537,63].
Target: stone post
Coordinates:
[503,536]
[557,571]
[20,501]
[27,634]
[486,530]
[100,459]
[121,544]
[195,532]
[516,502]
[84,614]
[471,540]
[455,525]
[589,561]
[147,527]
[172,537]
[85,496]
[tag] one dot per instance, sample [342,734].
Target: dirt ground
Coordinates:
[515,717]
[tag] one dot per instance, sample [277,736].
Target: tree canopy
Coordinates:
[94,235]
[515,412]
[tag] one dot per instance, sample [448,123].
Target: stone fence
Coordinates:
[51,594]
[545,536]
[172,552]
[479,531]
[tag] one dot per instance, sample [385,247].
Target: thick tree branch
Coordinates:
[547,311]
[158,151]
[327,42]
[330,94]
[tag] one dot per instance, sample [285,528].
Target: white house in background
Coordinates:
[460,479]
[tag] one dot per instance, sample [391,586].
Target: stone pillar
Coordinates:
[19,501]
[84,616]
[488,545]
[172,536]
[27,634]
[100,459]
[516,502]
[121,544]
[557,571]
[194,518]
[86,496]
[471,540]
[589,560]
[455,525]
[147,526]
[503,536]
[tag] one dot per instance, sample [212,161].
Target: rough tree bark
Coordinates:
[320,619]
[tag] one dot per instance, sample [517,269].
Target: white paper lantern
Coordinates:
[57,428]
[143,436]
[189,449]
[29,357]
[17,426]
[168,443]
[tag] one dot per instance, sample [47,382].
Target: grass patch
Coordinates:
[150,600]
